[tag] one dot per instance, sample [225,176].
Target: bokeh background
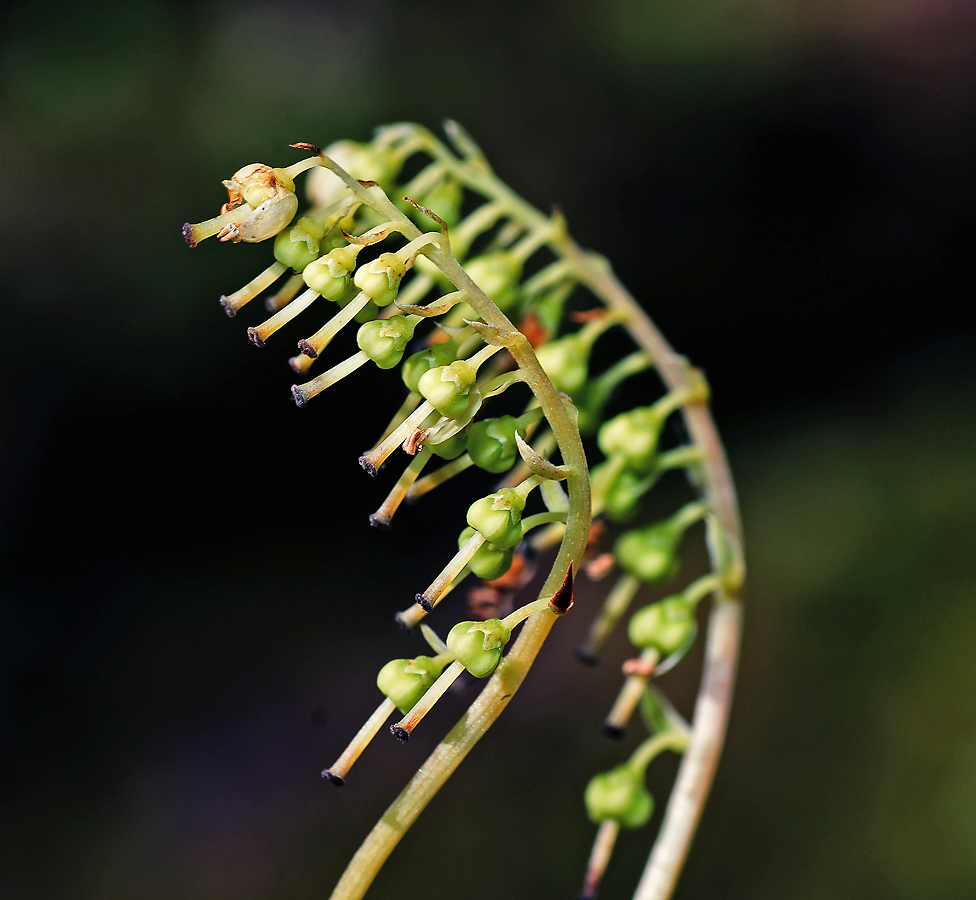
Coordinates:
[193,606]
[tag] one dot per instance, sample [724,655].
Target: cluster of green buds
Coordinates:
[362,245]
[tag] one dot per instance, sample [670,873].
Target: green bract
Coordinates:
[497,274]
[498,517]
[449,389]
[619,795]
[649,554]
[380,279]
[405,681]
[478,645]
[664,626]
[297,246]
[329,275]
[384,340]
[490,561]
[424,360]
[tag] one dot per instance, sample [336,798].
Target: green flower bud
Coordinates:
[424,360]
[634,436]
[664,626]
[492,443]
[649,554]
[490,561]
[329,275]
[620,795]
[499,517]
[362,161]
[380,279]
[478,645]
[405,681]
[452,448]
[384,340]
[497,274]
[622,495]
[444,199]
[449,389]
[566,362]
[299,245]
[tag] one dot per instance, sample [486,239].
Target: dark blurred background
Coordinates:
[193,606]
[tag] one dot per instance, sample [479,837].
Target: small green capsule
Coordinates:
[329,274]
[499,517]
[489,562]
[452,448]
[497,274]
[566,362]
[449,389]
[649,554]
[384,340]
[299,245]
[478,645]
[405,681]
[620,795]
[492,443]
[380,279]
[634,436]
[664,626]
[622,495]
[424,360]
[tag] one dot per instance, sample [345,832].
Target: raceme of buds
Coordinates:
[450,389]
[619,795]
[384,340]
[489,562]
[478,645]
[405,681]
[665,626]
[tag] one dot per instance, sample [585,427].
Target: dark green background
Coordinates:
[193,607]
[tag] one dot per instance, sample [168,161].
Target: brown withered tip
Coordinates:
[225,303]
[298,395]
[304,146]
[306,348]
[562,600]
[367,466]
[381,522]
[335,779]
[256,339]
[188,234]
[587,656]
[401,734]
[612,731]
[425,604]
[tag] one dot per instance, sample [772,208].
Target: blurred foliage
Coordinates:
[188,630]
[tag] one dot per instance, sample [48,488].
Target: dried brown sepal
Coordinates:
[643,668]
[562,600]
[430,214]
[415,440]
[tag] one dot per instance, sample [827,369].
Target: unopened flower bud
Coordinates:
[620,795]
[444,199]
[649,554]
[664,626]
[380,279]
[299,245]
[452,448]
[634,436]
[405,681]
[499,517]
[489,562]
[384,340]
[492,443]
[497,274]
[622,495]
[478,645]
[329,275]
[566,362]
[449,389]
[423,361]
